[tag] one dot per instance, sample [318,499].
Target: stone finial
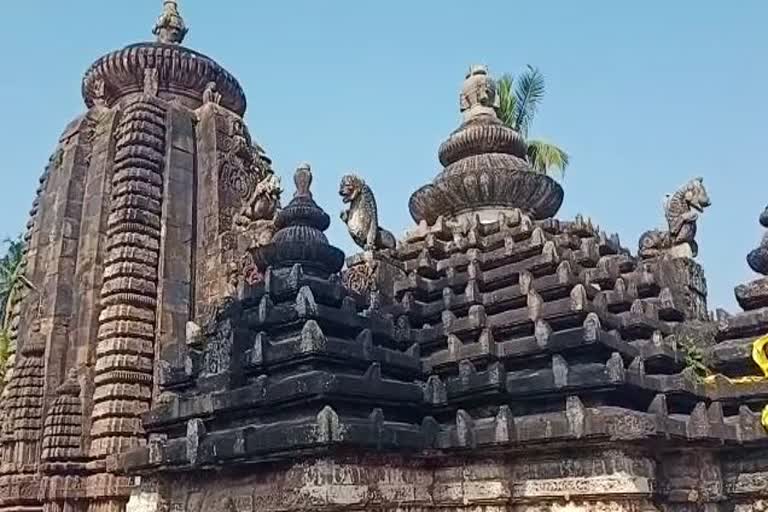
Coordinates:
[299,238]
[170,27]
[302,178]
[478,94]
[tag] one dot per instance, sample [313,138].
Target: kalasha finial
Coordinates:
[303,180]
[170,27]
[478,94]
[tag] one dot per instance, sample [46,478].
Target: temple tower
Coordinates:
[139,226]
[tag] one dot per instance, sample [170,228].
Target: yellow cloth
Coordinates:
[760,358]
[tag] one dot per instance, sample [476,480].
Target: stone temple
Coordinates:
[183,342]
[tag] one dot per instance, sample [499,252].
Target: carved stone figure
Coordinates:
[361,278]
[758,258]
[211,95]
[681,211]
[258,212]
[362,218]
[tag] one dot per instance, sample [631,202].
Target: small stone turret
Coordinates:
[486,167]
[299,238]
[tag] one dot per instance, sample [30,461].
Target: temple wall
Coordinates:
[607,479]
[176,272]
[213,129]
[222,187]
[89,271]
[610,480]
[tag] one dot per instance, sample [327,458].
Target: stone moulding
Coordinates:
[181,71]
[455,192]
[477,139]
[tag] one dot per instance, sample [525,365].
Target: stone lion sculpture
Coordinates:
[362,218]
[682,211]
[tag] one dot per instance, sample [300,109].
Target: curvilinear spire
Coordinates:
[486,170]
[131,236]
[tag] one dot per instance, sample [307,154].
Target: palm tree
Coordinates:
[518,101]
[11,280]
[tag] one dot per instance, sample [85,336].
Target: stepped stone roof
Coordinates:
[177,324]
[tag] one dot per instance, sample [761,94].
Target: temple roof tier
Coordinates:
[300,238]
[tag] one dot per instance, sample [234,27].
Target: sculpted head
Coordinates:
[350,187]
[696,195]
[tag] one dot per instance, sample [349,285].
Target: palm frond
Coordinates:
[11,278]
[5,344]
[545,158]
[529,91]
[507,110]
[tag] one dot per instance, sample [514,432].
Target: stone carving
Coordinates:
[211,95]
[151,81]
[170,27]
[99,93]
[682,212]
[361,278]
[258,213]
[362,218]
[478,95]
[251,191]
[758,258]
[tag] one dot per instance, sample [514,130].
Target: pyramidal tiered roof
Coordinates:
[509,331]
[494,358]
[733,355]
[295,365]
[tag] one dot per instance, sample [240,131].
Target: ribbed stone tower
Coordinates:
[141,223]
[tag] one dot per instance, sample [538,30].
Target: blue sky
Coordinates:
[643,95]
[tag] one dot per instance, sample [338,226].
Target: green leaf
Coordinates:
[529,91]
[507,110]
[546,158]
[11,278]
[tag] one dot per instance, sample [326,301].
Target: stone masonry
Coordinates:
[184,343]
